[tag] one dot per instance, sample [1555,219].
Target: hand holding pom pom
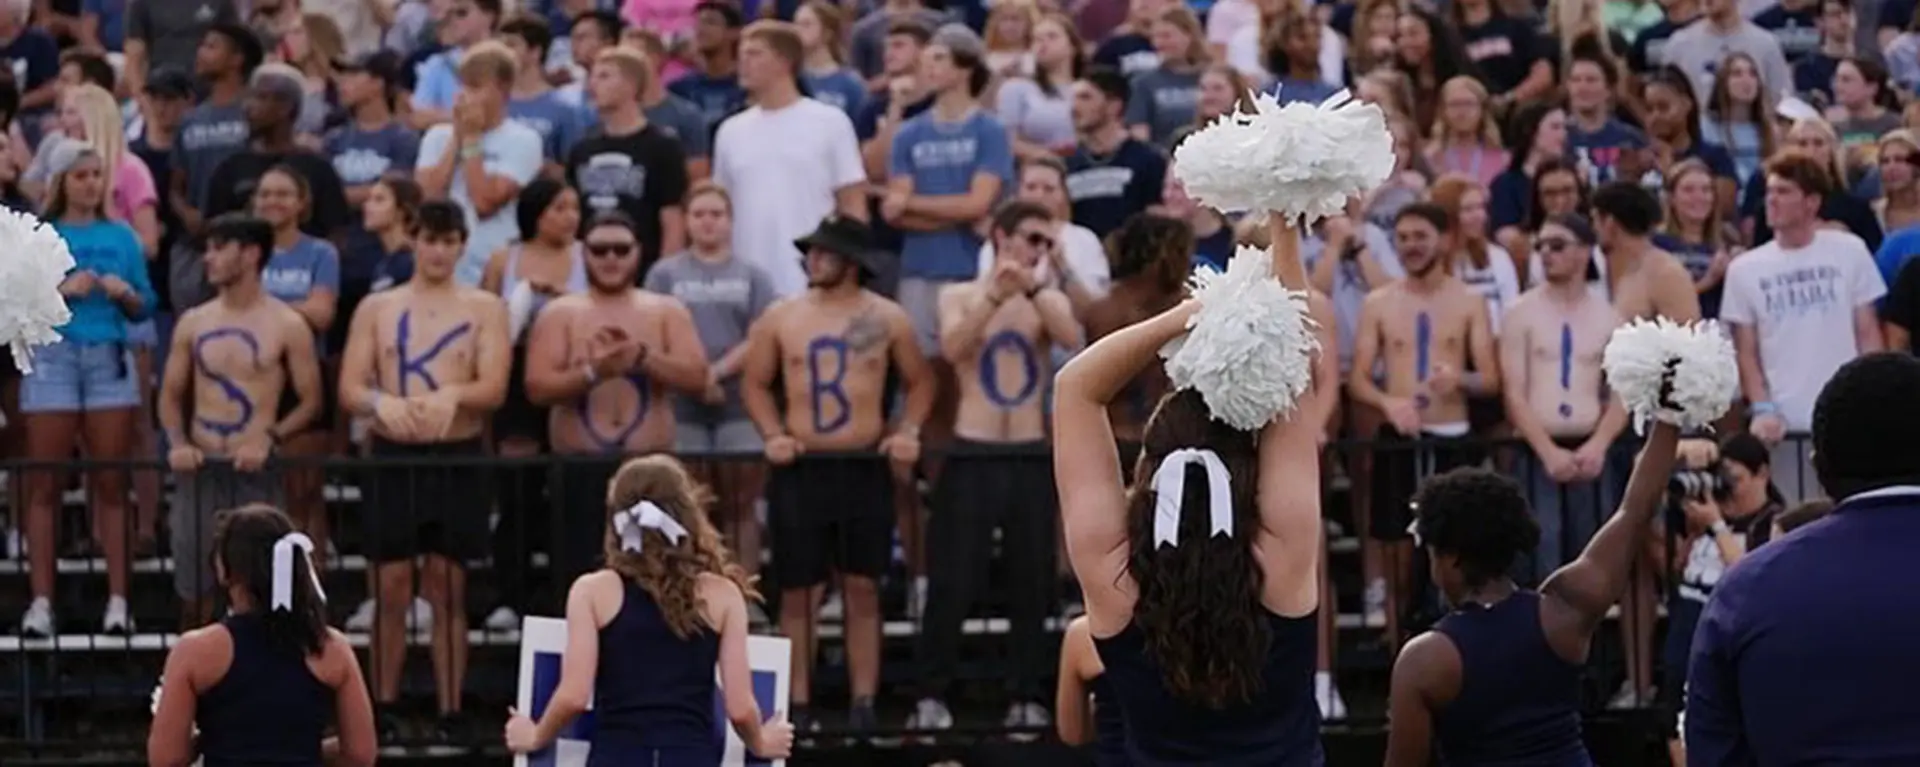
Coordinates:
[1684,375]
[1250,348]
[33,262]
[1301,160]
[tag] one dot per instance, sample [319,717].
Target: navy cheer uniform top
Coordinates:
[1279,727]
[1109,726]
[653,693]
[268,709]
[1519,702]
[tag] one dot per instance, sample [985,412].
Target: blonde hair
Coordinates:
[1713,228]
[1571,20]
[706,187]
[1489,131]
[1002,9]
[632,63]
[489,62]
[781,38]
[1835,160]
[105,132]
[325,44]
[668,571]
[833,28]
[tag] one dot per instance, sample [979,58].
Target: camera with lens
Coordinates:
[1698,485]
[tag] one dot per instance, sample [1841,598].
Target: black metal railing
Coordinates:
[521,528]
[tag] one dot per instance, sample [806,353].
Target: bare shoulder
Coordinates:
[200,641]
[888,309]
[714,586]
[1378,298]
[286,315]
[375,303]
[481,300]
[1426,654]
[190,320]
[566,304]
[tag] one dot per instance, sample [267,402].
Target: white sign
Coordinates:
[544,640]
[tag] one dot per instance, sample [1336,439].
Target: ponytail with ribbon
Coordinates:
[632,524]
[284,551]
[1169,487]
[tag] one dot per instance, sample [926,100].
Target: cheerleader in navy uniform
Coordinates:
[1496,683]
[668,607]
[261,686]
[1083,682]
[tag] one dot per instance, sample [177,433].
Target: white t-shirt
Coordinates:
[782,168]
[511,150]
[1083,251]
[1499,283]
[1801,303]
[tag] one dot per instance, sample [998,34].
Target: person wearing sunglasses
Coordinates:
[832,348]
[997,332]
[611,362]
[1550,351]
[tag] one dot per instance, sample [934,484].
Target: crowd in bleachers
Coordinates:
[708,183]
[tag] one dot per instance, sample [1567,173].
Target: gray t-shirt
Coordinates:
[724,298]
[209,134]
[172,29]
[1165,101]
[1034,116]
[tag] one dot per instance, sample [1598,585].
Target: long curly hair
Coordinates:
[1199,603]
[670,572]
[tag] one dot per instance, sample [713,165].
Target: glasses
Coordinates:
[1038,241]
[1551,245]
[609,249]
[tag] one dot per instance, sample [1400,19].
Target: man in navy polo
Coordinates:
[1806,652]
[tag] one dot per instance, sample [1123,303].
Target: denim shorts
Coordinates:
[70,377]
[144,334]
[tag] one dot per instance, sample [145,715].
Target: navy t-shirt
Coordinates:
[1649,48]
[1598,152]
[1105,191]
[34,59]
[1508,198]
[1814,75]
[1697,257]
[716,97]
[1797,31]
[1130,54]
[1503,49]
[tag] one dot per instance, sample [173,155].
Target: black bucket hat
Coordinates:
[844,237]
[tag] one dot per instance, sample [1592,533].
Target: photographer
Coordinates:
[1717,512]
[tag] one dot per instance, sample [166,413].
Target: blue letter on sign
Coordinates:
[990,370]
[823,389]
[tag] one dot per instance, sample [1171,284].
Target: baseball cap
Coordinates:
[169,83]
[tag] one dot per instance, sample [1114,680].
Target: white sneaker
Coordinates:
[1376,603]
[1026,715]
[1327,695]
[831,609]
[420,616]
[503,618]
[1626,698]
[930,714]
[362,617]
[38,621]
[917,598]
[117,621]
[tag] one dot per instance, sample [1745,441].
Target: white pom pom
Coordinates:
[1303,160]
[33,262]
[1684,375]
[1249,350]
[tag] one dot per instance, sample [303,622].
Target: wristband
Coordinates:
[1719,527]
[471,151]
[1764,408]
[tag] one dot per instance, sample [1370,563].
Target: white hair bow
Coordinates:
[1170,484]
[283,553]
[643,516]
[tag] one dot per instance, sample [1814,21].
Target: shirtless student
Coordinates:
[1425,328]
[1550,349]
[427,363]
[608,363]
[998,332]
[234,360]
[1642,281]
[831,348]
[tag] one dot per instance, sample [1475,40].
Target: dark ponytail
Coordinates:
[243,544]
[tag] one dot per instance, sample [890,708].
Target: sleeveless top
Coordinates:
[1519,702]
[653,689]
[510,281]
[1279,727]
[1109,726]
[267,710]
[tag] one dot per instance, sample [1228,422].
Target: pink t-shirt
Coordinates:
[670,19]
[132,187]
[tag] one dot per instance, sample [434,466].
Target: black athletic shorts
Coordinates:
[418,505]
[1399,466]
[829,515]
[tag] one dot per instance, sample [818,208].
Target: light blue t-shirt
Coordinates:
[437,81]
[293,273]
[943,158]
[511,150]
[105,248]
[840,89]
[550,115]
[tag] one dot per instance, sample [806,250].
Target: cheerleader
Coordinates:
[1497,681]
[669,606]
[261,686]
[1200,574]
[1082,683]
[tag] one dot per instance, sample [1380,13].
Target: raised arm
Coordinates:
[1093,515]
[1288,493]
[1591,584]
